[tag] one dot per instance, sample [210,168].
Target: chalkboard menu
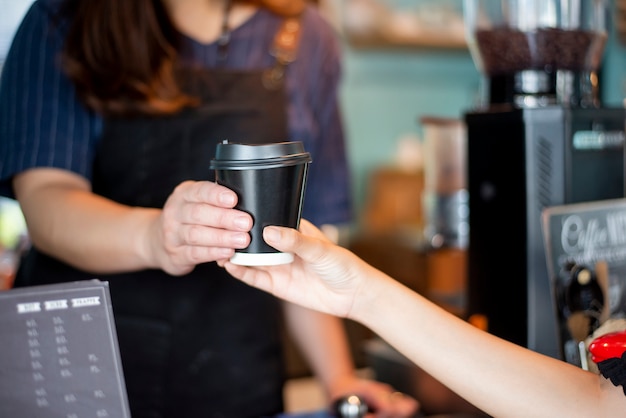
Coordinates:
[591,235]
[59,355]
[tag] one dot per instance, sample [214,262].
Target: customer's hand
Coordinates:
[323,276]
[331,279]
[198,224]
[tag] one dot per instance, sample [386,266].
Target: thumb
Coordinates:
[281,238]
[308,247]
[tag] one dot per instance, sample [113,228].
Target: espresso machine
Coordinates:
[541,138]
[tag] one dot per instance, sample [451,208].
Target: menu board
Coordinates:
[59,355]
[591,234]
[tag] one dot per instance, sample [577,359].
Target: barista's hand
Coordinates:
[198,224]
[66,220]
[381,399]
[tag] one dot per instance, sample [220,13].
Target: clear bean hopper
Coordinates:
[538,52]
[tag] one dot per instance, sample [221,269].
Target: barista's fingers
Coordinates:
[204,225]
[202,236]
[202,203]
[200,214]
[207,192]
[209,244]
[200,254]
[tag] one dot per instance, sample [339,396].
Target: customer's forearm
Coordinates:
[501,378]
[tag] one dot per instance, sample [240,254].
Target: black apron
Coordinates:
[204,344]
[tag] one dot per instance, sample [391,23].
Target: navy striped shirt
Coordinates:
[43,124]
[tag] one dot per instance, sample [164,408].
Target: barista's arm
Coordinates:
[67,221]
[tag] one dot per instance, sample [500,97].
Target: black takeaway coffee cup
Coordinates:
[269,180]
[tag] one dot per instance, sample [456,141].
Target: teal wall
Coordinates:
[614,70]
[386,91]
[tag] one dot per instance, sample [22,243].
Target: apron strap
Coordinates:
[224,38]
[285,50]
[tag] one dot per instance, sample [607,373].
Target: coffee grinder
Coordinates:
[541,139]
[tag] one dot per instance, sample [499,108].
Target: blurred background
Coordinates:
[409,78]
[403,59]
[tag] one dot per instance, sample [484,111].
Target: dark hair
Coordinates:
[122,54]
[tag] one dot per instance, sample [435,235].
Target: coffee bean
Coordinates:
[507,51]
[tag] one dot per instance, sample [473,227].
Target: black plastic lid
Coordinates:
[238,156]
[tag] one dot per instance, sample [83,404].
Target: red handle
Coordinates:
[608,346]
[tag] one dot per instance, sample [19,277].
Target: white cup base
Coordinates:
[262,259]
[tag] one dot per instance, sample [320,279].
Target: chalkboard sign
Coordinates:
[59,355]
[592,236]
